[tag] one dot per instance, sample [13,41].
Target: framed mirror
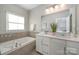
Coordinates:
[63,20]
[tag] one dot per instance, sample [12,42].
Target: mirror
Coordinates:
[63,17]
[63,24]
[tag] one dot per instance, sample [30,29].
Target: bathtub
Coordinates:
[17,45]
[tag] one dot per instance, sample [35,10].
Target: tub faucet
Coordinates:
[0,52]
[16,45]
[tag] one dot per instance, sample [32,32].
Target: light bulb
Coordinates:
[47,11]
[51,9]
[62,5]
[56,7]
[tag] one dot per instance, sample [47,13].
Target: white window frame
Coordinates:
[7,23]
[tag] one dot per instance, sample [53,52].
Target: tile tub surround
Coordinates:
[25,50]
[11,36]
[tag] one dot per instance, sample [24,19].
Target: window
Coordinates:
[15,22]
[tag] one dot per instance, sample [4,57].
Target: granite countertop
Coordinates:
[67,38]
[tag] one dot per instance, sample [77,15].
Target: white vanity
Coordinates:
[66,21]
[57,45]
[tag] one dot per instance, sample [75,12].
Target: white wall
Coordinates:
[77,22]
[14,9]
[36,13]
[35,16]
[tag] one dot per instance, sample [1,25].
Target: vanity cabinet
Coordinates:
[47,45]
[57,47]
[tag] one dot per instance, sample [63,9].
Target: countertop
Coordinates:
[67,38]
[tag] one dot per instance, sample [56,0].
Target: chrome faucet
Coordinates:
[0,52]
[16,44]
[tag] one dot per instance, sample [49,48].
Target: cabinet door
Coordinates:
[39,43]
[72,48]
[57,47]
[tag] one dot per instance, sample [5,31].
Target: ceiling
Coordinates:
[29,6]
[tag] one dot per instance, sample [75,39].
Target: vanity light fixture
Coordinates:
[54,8]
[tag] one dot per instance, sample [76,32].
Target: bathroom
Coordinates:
[25,29]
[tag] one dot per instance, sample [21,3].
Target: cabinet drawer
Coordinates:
[46,45]
[45,41]
[72,48]
[57,43]
[45,50]
[57,47]
[71,51]
[72,44]
[57,52]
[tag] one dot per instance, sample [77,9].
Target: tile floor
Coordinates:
[34,52]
